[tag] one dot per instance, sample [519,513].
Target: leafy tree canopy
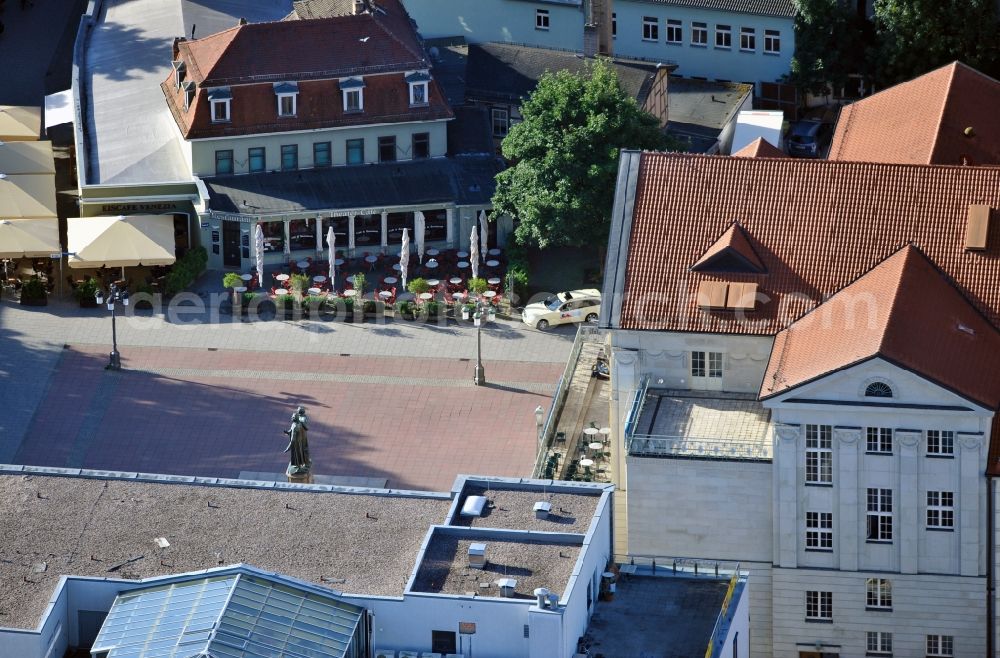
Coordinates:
[831,43]
[565,157]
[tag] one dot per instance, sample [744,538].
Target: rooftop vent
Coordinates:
[541,597]
[964,328]
[473,506]
[977,227]
[507,586]
[477,556]
[542,509]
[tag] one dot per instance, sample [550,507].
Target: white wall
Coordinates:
[922,604]
[739,625]
[594,557]
[203,150]
[499,20]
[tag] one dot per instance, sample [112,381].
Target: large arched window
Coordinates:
[878,390]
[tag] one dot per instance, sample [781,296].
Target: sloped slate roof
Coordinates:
[903,310]
[815,225]
[924,121]
[781,8]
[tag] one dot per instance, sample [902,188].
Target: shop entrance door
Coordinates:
[231,244]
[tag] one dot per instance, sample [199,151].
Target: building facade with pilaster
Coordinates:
[807,384]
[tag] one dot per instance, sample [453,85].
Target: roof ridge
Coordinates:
[907,250]
[803,162]
[944,108]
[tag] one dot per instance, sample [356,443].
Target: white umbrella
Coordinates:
[474,252]
[258,245]
[419,227]
[331,241]
[404,256]
[484,230]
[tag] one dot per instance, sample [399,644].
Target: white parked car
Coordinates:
[572,306]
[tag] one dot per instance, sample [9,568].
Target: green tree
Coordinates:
[831,43]
[915,36]
[565,157]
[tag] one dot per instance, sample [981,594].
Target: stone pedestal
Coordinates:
[299,477]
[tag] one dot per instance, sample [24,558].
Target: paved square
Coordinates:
[394,401]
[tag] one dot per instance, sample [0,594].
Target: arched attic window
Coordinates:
[878,390]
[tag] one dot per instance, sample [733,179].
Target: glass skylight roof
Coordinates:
[236,616]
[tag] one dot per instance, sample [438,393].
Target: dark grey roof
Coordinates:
[464,180]
[506,73]
[700,109]
[448,57]
[470,132]
[782,8]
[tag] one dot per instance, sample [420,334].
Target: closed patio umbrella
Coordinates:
[474,252]
[484,233]
[331,246]
[404,256]
[258,246]
[419,227]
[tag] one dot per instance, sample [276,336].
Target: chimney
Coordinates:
[977,227]
[176,47]
[359,7]
[602,18]
[242,21]
[477,556]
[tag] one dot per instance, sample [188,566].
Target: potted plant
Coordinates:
[418,286]
[299,283]
[143,297]
[312,306]
[467,310]
[432,308]
[232,280]
[477,285]
[359,284]
[33,293]
[406,310]
[86,293]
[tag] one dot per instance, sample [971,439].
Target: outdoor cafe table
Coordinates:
[586,462]
[371,260]
[591,431]
[430,282]
[493,281]
[246,277]
[492,263]
[490,294]
[462,254]
[426,295]
[338,262]
[463,264]
[319,278]
[390,279]
[350,279]
[456,296]
[605,431]
[281,277]
[432,264]
[494,252]
[315,291]
[397,267]
[240,289]
[433,252]
[596,445]
[350,293]
[385,294]
[302,264]
[455,280]
[279,292]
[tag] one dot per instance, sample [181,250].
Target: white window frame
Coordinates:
[878,594]
[819,605]
[748,40]
[878,505]
[224,102]
[724,31]
[941,443]
[541,19]
[190,91]
[772,42]
[180,73]
[706,370]
[699,34]
[819,454]
[650,28]
[360,91]
[878,440]
[675,31]
[295,104]
[941,510]
[819,531]
[413,89]
[878,643]
[499,113]
[940,646]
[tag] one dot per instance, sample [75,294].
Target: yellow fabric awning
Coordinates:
[20,123]
[26,158]
[29,238]
[27,196]
[120,241]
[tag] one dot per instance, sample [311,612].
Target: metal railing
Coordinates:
[584,334]
[635,412]
[646,445]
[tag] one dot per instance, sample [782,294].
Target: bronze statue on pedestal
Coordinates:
[298,445]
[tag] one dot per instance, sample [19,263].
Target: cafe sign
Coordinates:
[467,627]
[138,207]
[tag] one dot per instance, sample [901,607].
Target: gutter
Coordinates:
[990,548]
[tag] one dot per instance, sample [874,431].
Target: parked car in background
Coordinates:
[808,138]
[572,306]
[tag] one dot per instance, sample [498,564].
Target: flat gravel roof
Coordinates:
[513,509]
[54,526]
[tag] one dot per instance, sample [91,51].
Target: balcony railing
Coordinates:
[645,445]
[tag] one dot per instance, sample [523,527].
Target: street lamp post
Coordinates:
[481,316]
[115,294]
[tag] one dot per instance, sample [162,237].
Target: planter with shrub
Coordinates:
[33,293]
[86,293]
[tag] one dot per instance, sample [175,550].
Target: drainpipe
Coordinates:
[991,622]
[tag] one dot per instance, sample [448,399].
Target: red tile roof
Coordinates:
[905,311]
[924,121]
[760,148]
[379,46]
[815,225]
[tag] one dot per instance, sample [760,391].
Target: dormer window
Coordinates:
[219,98]
[353,90]
[180,72]
[287,94]
[418,81]
[189,90]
